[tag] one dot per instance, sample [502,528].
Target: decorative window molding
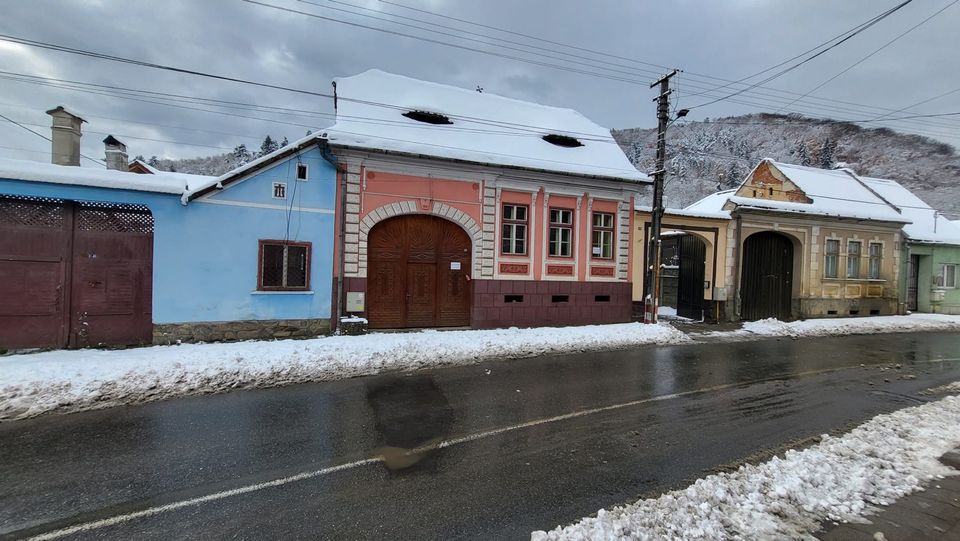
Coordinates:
[283,265]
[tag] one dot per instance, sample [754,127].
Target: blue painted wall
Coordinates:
[205,253]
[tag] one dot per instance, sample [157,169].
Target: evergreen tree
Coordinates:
[802,156]
[309,133]
[153,161]
[240,154]
[734,174]
[268,145]
[139,157]
[826,153]
[284,142]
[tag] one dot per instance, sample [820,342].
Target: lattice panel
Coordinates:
[115,218]
[32,211]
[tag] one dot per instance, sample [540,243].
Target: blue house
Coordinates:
[105,257]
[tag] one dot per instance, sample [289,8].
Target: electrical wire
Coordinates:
[38,134]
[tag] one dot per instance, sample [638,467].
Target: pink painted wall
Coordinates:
[378,189]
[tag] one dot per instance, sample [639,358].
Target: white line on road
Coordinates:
[119,519]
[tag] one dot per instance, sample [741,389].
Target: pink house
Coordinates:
[463,208]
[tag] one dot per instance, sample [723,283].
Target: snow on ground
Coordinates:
[839,479]
[78,380]
[844,326]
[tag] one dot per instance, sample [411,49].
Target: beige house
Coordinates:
[791,242]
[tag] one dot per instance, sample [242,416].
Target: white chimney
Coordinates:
[66,137]
[116,154]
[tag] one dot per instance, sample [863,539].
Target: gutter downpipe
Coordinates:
[341,234]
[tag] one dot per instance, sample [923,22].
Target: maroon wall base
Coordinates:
[537,307]
[526,303]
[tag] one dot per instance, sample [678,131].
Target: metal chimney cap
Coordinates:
[61,109]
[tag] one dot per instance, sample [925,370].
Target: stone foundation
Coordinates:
[224,331]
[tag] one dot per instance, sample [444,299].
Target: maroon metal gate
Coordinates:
[74,274]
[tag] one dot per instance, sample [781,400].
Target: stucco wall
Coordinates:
[205,254]
[932,256]
[813,294]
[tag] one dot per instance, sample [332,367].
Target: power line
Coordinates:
[38,134]
[928,100]
[857,30]
[875,51]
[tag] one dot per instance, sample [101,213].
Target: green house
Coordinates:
[929,253]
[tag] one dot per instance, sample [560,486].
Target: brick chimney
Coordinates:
[116,154]
[66,137]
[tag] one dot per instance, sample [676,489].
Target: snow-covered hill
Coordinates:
[703,155]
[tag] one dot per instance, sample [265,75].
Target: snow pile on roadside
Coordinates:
[839,479]
[90,379]
[845,326]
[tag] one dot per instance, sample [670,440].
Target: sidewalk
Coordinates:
[932,514]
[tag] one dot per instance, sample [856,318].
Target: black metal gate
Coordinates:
[693,253]
[913,277]
[767,279]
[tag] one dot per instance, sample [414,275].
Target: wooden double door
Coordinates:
[74,274]
[418,273]
[766,284]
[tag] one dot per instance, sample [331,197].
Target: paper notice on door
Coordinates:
[454,265]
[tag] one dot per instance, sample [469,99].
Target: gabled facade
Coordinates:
[91,257]
[805,242]
[470,209]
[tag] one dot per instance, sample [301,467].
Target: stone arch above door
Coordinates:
[411,207]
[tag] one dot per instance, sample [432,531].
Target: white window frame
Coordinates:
[855,260]
[512,224]
[283,187]
[826,259]
[875,259]
[560,226]
[942,276]
[306,172]
[602,233]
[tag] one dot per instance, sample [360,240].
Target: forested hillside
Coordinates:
[718,153]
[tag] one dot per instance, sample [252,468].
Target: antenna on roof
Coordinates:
[334,83]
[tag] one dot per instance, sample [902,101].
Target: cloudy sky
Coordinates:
[637,39]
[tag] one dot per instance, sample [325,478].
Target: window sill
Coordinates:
[258,292]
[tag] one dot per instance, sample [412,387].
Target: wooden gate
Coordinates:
[913,277]
[693,254]
[766,283]
[74,274]
[418,270]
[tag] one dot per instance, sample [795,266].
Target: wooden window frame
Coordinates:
[855,261]
[878,259]
[560,226]
[285,244]
[594,229]
[836,255]
[513,223]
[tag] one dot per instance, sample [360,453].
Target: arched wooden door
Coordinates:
[767,280]
[418,270]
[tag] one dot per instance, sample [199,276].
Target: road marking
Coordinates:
[119,519]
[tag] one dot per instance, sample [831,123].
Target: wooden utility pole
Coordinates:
[651,283]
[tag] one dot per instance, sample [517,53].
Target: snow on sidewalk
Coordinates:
[839,479]
[77,380]
[843,326]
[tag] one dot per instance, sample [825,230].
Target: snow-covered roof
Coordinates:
[834,192]
[686,212]
[485,128]
[711,206]
[928,224]
[159,182]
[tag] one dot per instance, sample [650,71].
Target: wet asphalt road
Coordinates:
[511,466]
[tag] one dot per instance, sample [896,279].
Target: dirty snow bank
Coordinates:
[838,479]
[844,326]
[90,379]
